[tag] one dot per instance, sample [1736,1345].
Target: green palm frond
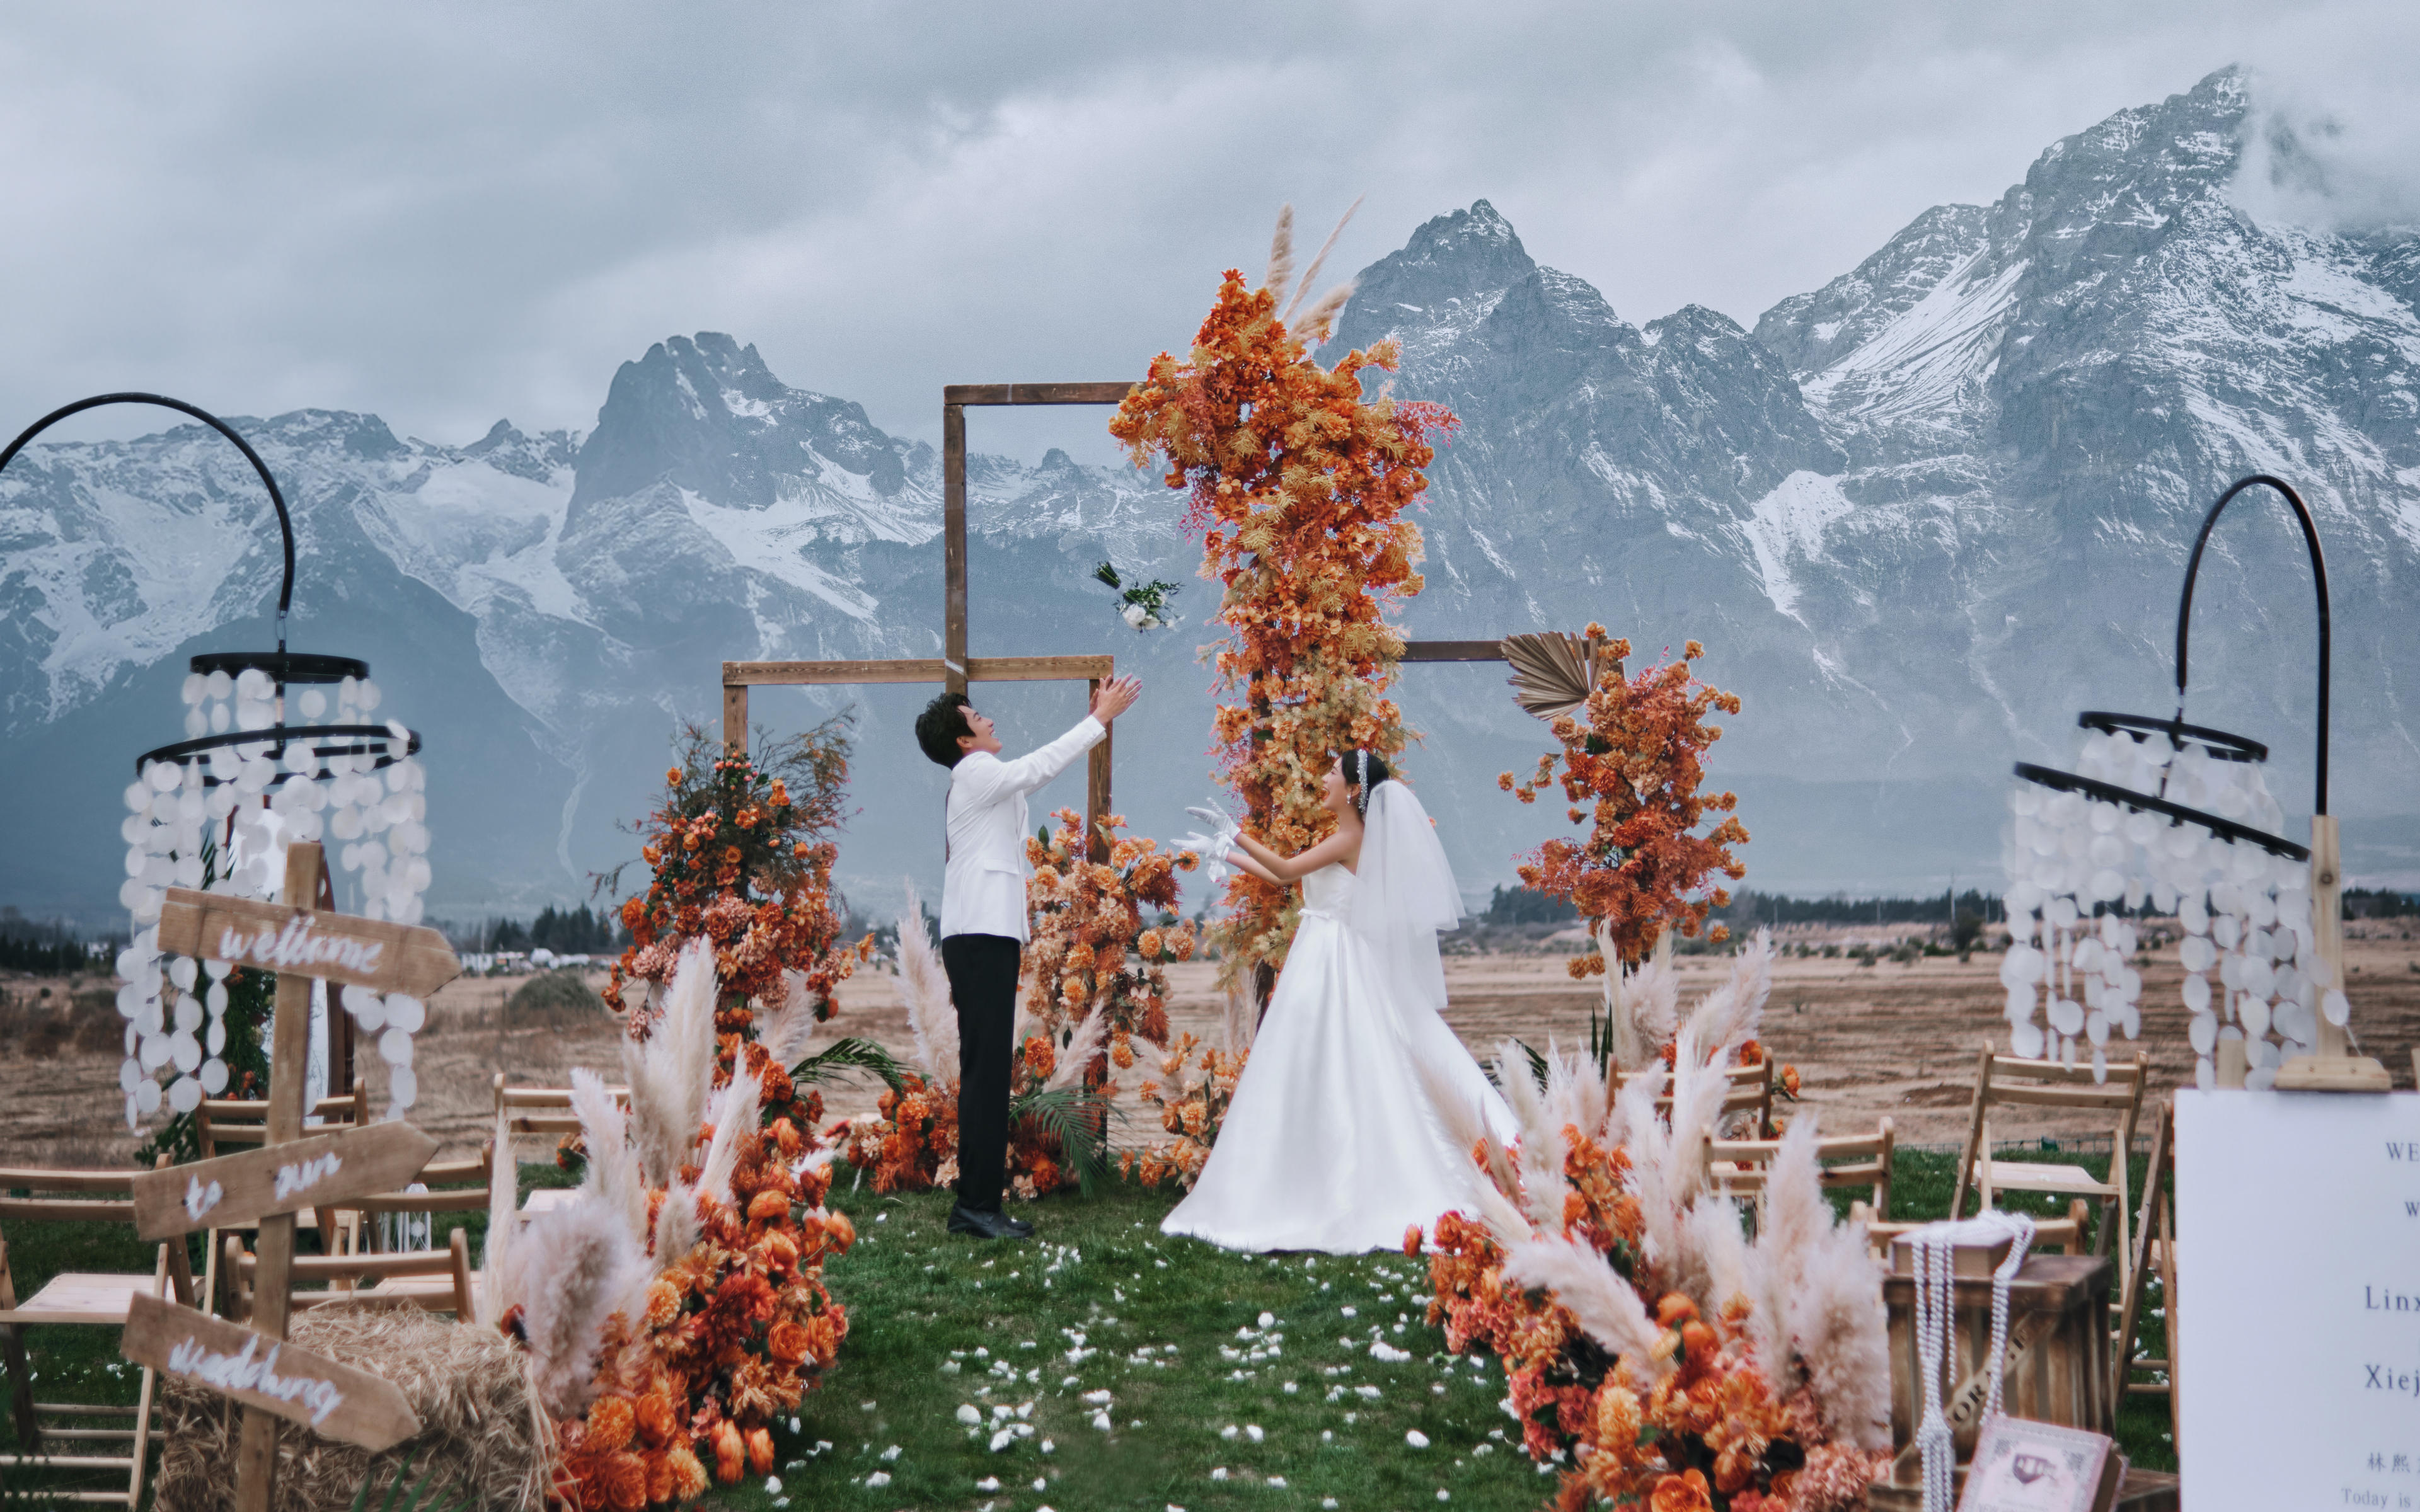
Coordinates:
[849,1055]
[1081,1119]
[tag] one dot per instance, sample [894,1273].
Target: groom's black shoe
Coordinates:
[988,1223]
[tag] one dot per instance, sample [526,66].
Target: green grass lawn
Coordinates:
[1026,1337]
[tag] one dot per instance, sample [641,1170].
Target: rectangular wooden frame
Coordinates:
[955,669]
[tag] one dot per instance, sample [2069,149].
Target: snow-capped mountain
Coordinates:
[1920,516]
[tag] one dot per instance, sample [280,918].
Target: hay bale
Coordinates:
[554,1000]
[479,1437]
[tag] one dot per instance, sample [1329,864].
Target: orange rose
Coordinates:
[767,1204]
[1685,1492]
[787,1342]
[672,777]
[1412,1239]
[658,1423]
[623,1479]
[760,1450]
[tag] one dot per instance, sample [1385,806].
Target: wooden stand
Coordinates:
[2335,1068]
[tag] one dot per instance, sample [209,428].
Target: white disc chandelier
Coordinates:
[2176,817]
[280,746]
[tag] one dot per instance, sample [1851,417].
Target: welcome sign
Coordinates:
[304,942]
[2298,1230]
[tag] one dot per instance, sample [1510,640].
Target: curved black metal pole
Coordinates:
[2319,579]
[285,522]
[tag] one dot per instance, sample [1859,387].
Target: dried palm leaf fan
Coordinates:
[269,757]
[2178,815]
[1553,673]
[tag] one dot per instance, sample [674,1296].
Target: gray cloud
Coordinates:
[451,212]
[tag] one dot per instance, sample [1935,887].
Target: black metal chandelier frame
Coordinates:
[283,667]
[2218,744]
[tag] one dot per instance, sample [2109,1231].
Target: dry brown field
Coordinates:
[1868,1040]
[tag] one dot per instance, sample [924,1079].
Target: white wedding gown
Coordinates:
[1332,1142]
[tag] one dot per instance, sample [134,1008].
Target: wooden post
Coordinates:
[2327,924]
[734,719]
[954,545]
[256,1462]
[1096,787]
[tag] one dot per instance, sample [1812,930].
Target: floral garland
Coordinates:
[1090,951]
[1193,1112]
[733,1332]
[1644,1342]
[1638,761]
[1300,488]
[738,856]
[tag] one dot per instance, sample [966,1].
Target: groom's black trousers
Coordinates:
[983,984]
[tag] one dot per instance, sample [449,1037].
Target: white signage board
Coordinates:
[2298,1255]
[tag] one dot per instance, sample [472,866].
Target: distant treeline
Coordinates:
[564,931]
[1750,909]
[47,948]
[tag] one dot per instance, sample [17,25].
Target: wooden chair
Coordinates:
[1743,1165]
[244,1122]
[437,1280]
[75,1436]
[543,1110]
[1750,1091]
[2007,1081]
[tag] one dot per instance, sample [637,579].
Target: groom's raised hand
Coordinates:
[1116,696]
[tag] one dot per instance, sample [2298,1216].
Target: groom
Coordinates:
[982,923]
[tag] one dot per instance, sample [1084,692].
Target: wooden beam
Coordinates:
[735,716]
[1114,391]
[1097,785]
[743,674]
[954,542]
[1453,651]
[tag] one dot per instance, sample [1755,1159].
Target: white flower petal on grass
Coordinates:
[1218,1472]
[1329,1436]
[1328,1504]
[1002,1439]
[1417,1438]
[1444,1495]
[1048,1446]
[1252,1431]
[1265,1320]
[1381,1349]
[1348,1312]
[1369,1392]
[1276,1480]
[990,1483]
[890,1455]
[1290,1388]
[968,1416]
[1099,1398]
[1040,1484]
[881,1477]
[772,1485]
[1101,1421]
[1229,1432]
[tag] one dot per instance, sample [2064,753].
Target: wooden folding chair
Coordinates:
[1750,1089]
[245,1122]
[435,1280]
[543,1110]
[2155,1257]
[2005,1080]
[1743,1165]
[72,1436]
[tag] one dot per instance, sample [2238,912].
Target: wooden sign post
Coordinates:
[255,1365]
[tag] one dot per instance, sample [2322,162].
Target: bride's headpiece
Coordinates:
[1361,806]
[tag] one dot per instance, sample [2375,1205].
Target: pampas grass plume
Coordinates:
[734,1117]
[612,1176]
[924,992]
[1280,271]
[1092,1031]
[503,1204]
[573,1267]
[1310,274]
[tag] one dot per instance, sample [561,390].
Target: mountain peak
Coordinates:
[1450,274]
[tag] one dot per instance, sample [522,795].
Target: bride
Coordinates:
[1331,1141]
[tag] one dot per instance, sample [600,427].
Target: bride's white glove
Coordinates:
[1219,843]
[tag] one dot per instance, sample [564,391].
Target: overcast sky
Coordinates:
[448,213]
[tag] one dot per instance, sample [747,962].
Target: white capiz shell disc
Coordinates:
[127,1075]
[394,1047]
[2196,954]
[215,1076]
[154,1053]
[402,1086]
[2254,1012]
[2205,1075]
[2203,1032]
[2026,1040]
[2066,1015]
[189,1014]
[186,1052]
[406,1012]
[2197,992]
[2334,1009]
[184,1094]
[147,1096]
[215,1038]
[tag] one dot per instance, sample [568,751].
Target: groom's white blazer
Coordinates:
[982,890]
